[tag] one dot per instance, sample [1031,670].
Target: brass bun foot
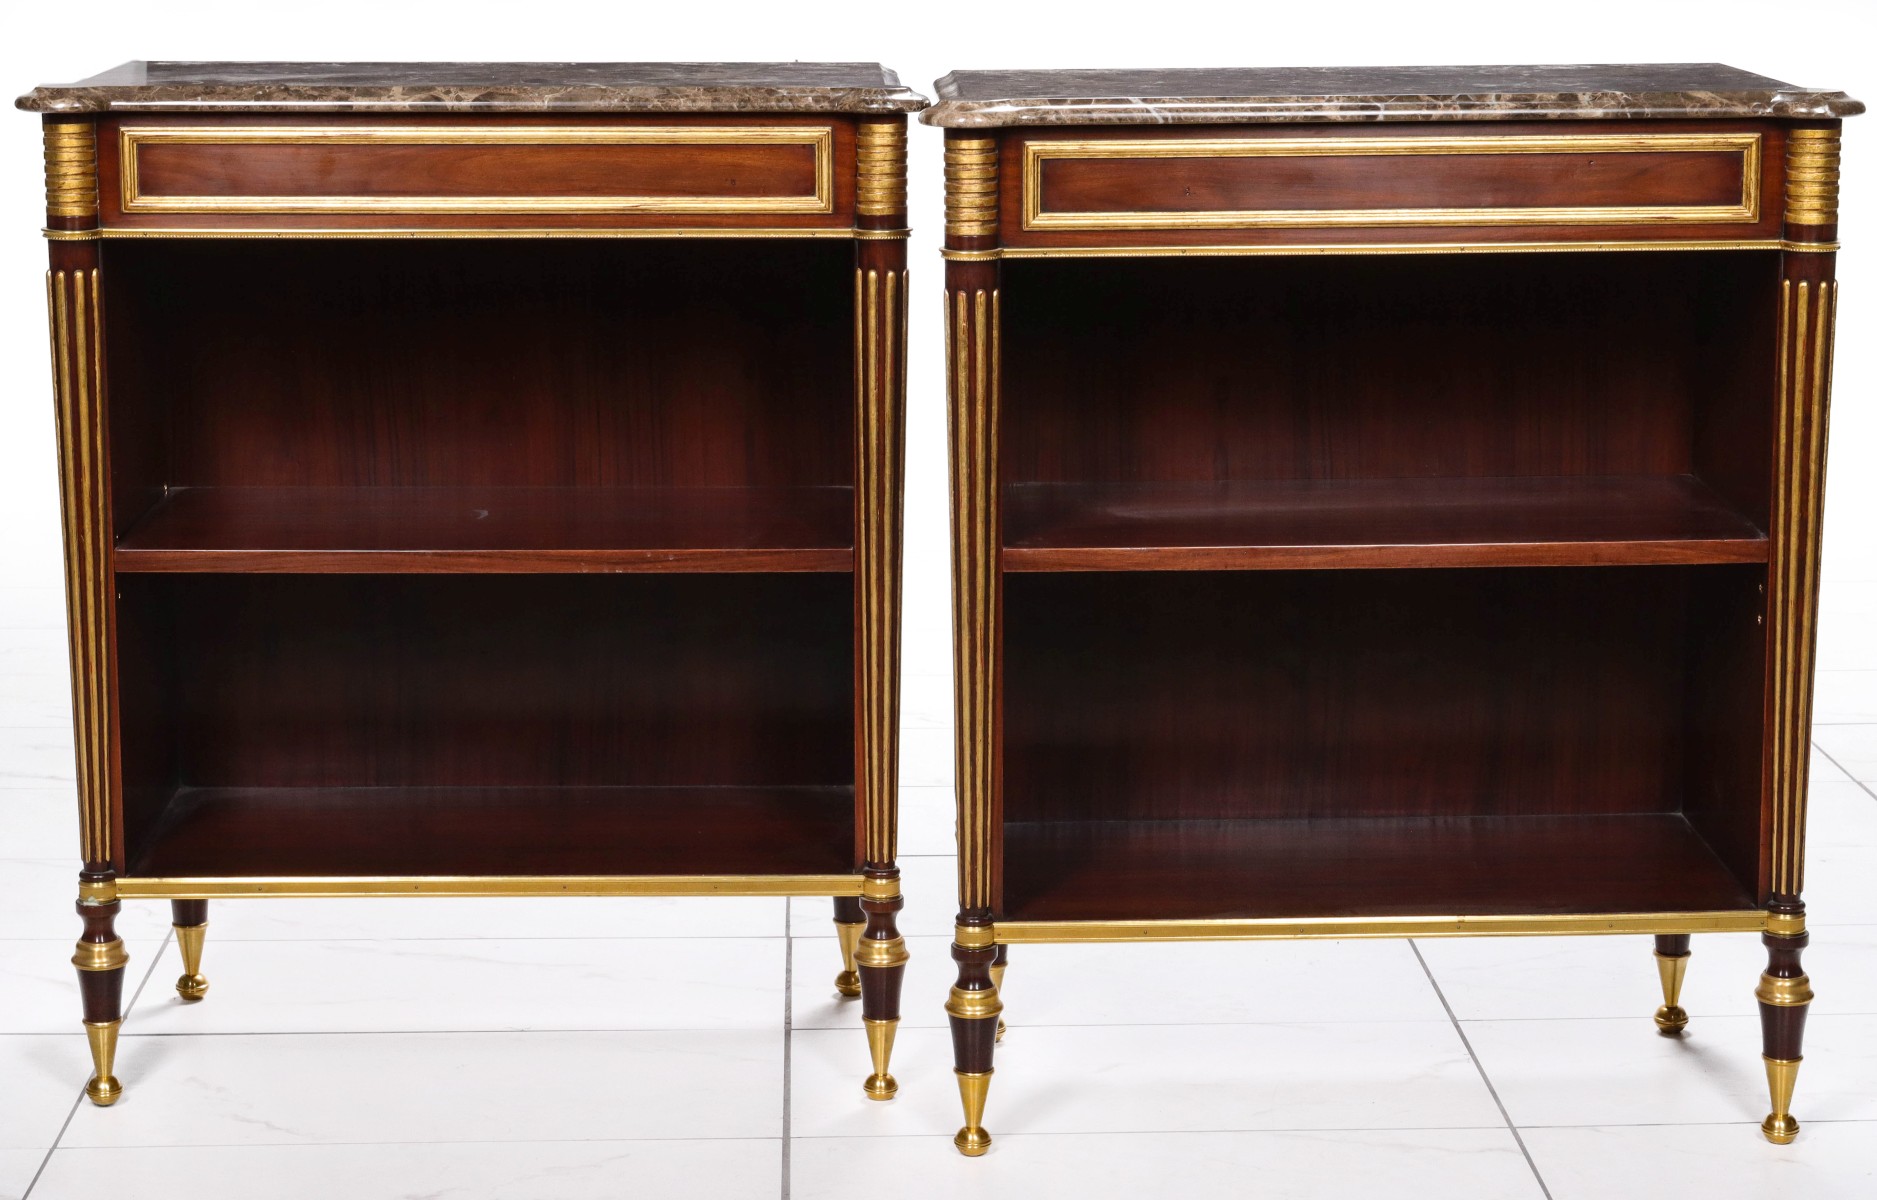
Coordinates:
[972,1141]
[103,1087]
[880,1085]
[848,981]
[104,1092]
[1780,1128]
[1671,1020]
[848,984]
[192,987]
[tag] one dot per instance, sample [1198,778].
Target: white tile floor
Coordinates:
[521,1049]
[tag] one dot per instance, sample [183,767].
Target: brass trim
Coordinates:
[71,153]
[103,1088]
[1792,247]
[970,187]
[881,235]
[1671,969]
[974,937]
[153,888]
[71,235]
[132,139]
[973,364]
[99,892]
[878,953]
[1812,176]
[72,298]
[970,255]
[1257,928]
[880,1085]
[100,956]
[972,1140]
[1781,992]
[1806,322]
[969,1005]
[1327,249]
[879,457]
[1747,209]
[880,889]
[880,171]
[386,233]
[1785,924]
[191,985]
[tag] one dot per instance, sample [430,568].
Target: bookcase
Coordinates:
[481,479]
[1386,504]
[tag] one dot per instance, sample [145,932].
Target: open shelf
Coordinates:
[493,529]
[1444,522]
[247,831]
[1386,866]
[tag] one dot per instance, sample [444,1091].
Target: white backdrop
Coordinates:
[1825,43]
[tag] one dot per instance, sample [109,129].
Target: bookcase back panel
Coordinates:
[463,362]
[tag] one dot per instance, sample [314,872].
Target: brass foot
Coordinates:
[1671,1018]
[972,1140]
[103,1087]
[192,985]
[880,1085]
[1779,1126]
[997,981]
[848,981]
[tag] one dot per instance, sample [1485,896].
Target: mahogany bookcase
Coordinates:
[1386,503]
[481,479]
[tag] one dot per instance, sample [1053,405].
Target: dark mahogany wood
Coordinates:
[189,912]
[1560,179]
[1671,945]
[1782,1026]
[1350,524]
[1068,870]
[407,831]
[326,170]
[880,987]
[493,529]
[102,992]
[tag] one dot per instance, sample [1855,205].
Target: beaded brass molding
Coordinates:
[970,187]
[879,386]
[1263,928]
[153,888]
[1745,209]
[881,156]
[1807,314]
[1812,176]
[1781,992]
[77,378]
[973,369]
[132,139]
[71,169]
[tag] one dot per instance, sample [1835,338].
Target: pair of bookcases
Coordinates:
[486,480]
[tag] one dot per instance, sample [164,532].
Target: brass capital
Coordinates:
[971,187]
[71,169]
[881,154]
[980,1005]
[1812,176]
[881,952]
[1784,993]
[100,956]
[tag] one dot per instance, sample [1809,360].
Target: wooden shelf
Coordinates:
[1395,866]
[493,529]
[325,832]
[1448,522]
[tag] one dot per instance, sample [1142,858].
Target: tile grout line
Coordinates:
[788,1034]
[1481,1068]
[155,957]
[1826,755]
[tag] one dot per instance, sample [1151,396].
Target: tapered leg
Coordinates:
[1784,994]
[849,921]
[973,1009]
[1671,963]
[190,919]
[881,960]
[100,960]
[997,981]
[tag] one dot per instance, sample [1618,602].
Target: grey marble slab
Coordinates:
[480,87]
[988,99]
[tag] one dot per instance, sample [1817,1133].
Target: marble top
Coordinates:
[986,99]
[480,87]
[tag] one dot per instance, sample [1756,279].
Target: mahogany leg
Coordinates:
[849,921]
[1784,994]
[190,919]
[1671,963]
[100,960]
[997,981]
[881,960]
[973,1008]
